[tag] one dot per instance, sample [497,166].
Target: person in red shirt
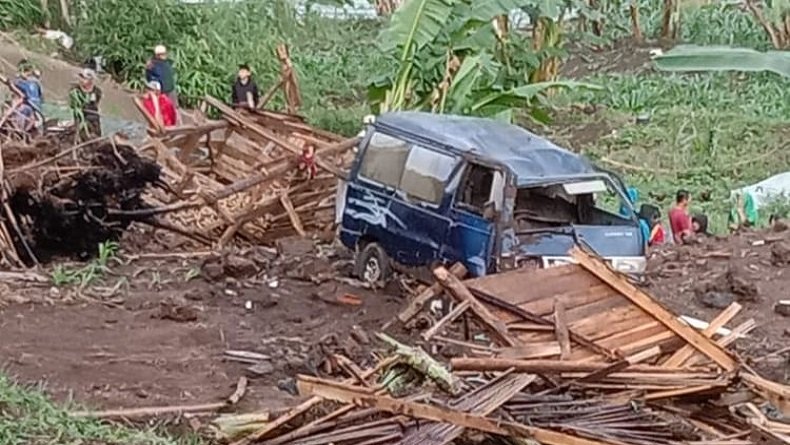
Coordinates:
[679,218]
[158,105]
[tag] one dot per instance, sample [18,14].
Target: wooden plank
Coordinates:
[482,401]
[289,208]
[739,331]
[268,135]
[462,293]
[449,318]
[574,298]
[621,365]
[776,393]
[528,316]
[659,312]
[303,408]
[657,395]
[328,390]
[416,305]
[561,330]
[618,320]
[531,351]
[567,281]
[685,353]
[551,366]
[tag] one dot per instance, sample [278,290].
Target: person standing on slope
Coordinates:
[245,91]
[160,69]
[158,105]
[84,101]
[29,110]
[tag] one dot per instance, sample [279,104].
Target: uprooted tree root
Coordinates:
[70,206]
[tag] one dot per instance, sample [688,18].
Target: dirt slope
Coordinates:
[58,76]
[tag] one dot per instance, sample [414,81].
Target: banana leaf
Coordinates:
[415,24]
[721,58]
[523,94]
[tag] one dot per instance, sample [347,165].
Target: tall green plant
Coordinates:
[20,13]
[449,58]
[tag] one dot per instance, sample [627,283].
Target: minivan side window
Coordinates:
[426,173]
[384,159]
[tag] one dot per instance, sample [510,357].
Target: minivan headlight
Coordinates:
[629,265]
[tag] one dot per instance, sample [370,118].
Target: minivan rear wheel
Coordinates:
[373,265]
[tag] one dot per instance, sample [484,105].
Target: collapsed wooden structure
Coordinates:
[252,174]
[255,174]
[571,355]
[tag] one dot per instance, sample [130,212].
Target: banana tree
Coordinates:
[774,17]
[449,56]
[688,58]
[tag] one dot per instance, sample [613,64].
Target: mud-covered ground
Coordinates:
[750,268]
[155,330]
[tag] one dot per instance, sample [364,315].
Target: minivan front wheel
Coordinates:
[373,265]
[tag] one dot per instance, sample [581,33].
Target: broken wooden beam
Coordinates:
[462,293]
[681,355]
[706,346]
[304,407]
[416,305]
[358,396]
[541,366]
[561,330]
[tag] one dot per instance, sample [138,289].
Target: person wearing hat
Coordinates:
[244,93]
[160,69]
[84,101]
[158,105]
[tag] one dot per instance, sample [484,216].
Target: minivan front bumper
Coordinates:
[634,265]
[627,265]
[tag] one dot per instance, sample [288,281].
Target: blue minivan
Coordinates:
[428,189]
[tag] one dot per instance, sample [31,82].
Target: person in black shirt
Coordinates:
[245,91]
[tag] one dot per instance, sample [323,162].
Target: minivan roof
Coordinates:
[530,157]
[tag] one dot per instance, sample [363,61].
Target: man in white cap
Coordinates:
[160,69]
[84,101]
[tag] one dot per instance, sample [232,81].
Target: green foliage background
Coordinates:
[702,127]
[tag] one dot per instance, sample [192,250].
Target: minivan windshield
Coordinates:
[585,202]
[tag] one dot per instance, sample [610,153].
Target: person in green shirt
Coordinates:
[743,212]
[84,101]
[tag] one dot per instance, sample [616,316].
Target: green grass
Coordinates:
[709,133]
[27,417]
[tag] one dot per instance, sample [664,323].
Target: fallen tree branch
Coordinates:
[241,389]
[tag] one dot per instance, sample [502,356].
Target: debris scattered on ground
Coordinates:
[608,365]
[67,203]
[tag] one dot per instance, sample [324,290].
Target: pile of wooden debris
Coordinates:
[250,176]
[570,355]
[255,175]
